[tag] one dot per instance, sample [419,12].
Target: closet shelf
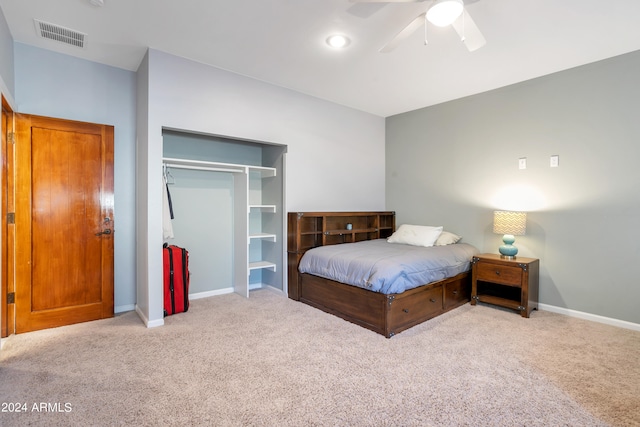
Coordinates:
[263,208]
[265,172]
[264,236]
[259,265]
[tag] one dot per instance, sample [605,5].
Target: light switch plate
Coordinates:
[554,161]
[522,163]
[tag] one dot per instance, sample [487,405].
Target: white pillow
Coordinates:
[447,238]
[416,235]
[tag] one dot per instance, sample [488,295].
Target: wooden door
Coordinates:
[63,222]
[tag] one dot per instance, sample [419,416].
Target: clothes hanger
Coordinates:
[169,179]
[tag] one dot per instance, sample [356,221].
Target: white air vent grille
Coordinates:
[59,34]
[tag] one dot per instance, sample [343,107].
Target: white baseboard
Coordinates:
[207,294]
[146,321]
[589,316]
[123,308]
[229,290]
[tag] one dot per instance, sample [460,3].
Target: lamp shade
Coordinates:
[444,12]
[507,222]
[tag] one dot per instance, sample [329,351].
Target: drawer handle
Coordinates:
[432,300]
[497,272]
[455,292]
[406,310]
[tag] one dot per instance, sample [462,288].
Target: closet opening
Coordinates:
[227,198]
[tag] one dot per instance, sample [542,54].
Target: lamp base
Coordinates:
[508,251]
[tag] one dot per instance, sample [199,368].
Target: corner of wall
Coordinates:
[7,61]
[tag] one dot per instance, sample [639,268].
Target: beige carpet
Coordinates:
[271,361]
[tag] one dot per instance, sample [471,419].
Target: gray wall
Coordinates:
[6,60]
[56,85]
[454,163]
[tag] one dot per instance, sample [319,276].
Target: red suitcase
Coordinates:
[176,279]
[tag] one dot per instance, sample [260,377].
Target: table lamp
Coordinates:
[509,224]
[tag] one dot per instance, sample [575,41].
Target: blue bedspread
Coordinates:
[389,268]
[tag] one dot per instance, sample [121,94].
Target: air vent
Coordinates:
[59,34]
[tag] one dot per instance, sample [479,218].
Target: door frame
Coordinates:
[7,231]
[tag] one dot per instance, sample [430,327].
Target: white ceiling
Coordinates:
[283,42]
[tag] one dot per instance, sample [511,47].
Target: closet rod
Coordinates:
[203,168]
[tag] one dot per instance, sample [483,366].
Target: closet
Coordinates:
[227,196]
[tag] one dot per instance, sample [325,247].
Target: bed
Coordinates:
[384,306]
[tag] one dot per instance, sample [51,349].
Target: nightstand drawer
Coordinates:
[499,274]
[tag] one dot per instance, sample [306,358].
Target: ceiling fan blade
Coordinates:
[469,32]
[406,32]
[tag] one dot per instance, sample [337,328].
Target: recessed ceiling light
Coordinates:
[338,41]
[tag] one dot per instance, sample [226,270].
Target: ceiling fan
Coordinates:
[441,13]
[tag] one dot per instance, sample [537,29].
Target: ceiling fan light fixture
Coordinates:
[338,41]
[445,12]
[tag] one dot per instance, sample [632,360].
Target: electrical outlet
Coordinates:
[554,161]
[522,163]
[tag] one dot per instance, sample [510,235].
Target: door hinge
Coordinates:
[11,137]
[11,218]
[11,298]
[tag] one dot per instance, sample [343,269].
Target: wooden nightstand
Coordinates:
[508,283]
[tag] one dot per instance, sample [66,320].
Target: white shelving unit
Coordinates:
[257,212]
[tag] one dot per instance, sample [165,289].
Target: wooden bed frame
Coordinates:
[386,314]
